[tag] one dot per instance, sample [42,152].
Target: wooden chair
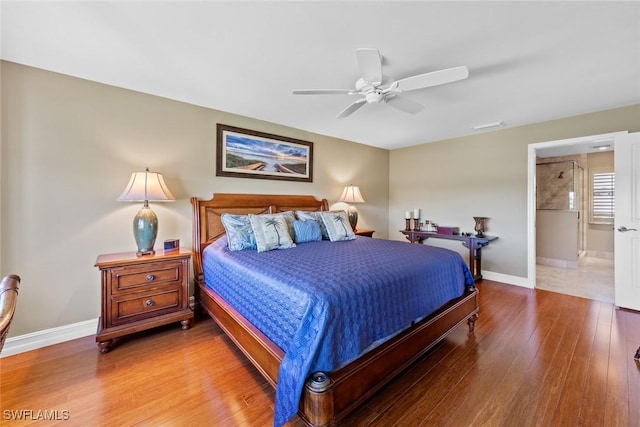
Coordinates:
[8,299]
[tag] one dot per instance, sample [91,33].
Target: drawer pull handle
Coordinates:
[150,277]
[148,303]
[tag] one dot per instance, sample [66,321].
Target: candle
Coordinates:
[407,215]
[416,213]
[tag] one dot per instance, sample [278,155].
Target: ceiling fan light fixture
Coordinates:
[374,97]
[361,84]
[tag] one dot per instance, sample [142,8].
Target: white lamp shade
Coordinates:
[351,194]
[146,186]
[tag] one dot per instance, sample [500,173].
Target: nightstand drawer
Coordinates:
[130,307]
[142,292]
[132,278]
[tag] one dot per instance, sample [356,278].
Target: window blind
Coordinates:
[603,197]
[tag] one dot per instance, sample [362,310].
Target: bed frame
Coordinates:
[327,397]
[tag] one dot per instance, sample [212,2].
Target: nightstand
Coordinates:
[364,232]
[142,292]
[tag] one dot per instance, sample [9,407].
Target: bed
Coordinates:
[325,396]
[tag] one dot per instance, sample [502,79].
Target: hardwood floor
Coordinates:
[537,358]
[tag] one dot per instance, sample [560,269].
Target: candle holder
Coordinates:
[407,226]
[416,224]
[479,227]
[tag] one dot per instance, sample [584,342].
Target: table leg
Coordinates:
[475,258]
[479,263]
[472,262]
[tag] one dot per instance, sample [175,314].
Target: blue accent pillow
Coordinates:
[239,232]
[306,231]
[309,215]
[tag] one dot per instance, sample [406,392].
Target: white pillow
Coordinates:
[337,226]
[239,232]
[271,232]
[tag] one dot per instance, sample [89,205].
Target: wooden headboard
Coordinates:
[207,225]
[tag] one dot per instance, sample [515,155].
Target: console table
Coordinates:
[473,243]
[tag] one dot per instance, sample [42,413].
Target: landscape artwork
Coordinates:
[245,153]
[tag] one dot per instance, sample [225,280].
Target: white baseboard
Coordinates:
[559,263]
[34,340]
[600,254]
[508,279]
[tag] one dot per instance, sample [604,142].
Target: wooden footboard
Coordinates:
[330,396]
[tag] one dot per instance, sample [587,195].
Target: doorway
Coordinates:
[590,274]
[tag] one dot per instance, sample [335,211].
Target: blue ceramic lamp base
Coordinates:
[145,230]
[352,214]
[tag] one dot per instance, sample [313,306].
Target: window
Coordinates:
[602,196]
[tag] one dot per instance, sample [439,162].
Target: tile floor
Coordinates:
[593,279]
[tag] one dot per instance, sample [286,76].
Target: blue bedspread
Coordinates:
[325,303]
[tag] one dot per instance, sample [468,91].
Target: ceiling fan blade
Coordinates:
[434,78]
[370,64]
[323,92]
[351,108]
[404,104]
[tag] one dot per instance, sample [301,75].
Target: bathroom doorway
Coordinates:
[591,274]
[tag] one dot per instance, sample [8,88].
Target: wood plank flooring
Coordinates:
[537,358]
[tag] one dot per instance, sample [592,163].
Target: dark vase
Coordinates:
[479,227]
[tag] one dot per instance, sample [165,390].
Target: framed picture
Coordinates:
[244,153]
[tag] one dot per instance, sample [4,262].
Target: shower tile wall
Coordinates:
[556,186]
[560,201]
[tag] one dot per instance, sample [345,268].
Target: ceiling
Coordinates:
[528,61]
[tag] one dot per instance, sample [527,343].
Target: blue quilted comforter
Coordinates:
[325,303]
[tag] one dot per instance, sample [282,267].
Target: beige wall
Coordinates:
[68,149]
[486,175]
[557,237]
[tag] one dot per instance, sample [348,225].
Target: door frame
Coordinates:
[531,190]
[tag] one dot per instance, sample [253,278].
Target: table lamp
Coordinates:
[351,194]
[145,187]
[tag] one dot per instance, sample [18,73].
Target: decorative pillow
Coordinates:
[337,225]
[271,232]
[307,215]
[306,230]
[290,217]
[239,232]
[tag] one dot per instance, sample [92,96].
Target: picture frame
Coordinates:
[244,153]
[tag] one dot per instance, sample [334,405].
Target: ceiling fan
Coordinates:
[370,85]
